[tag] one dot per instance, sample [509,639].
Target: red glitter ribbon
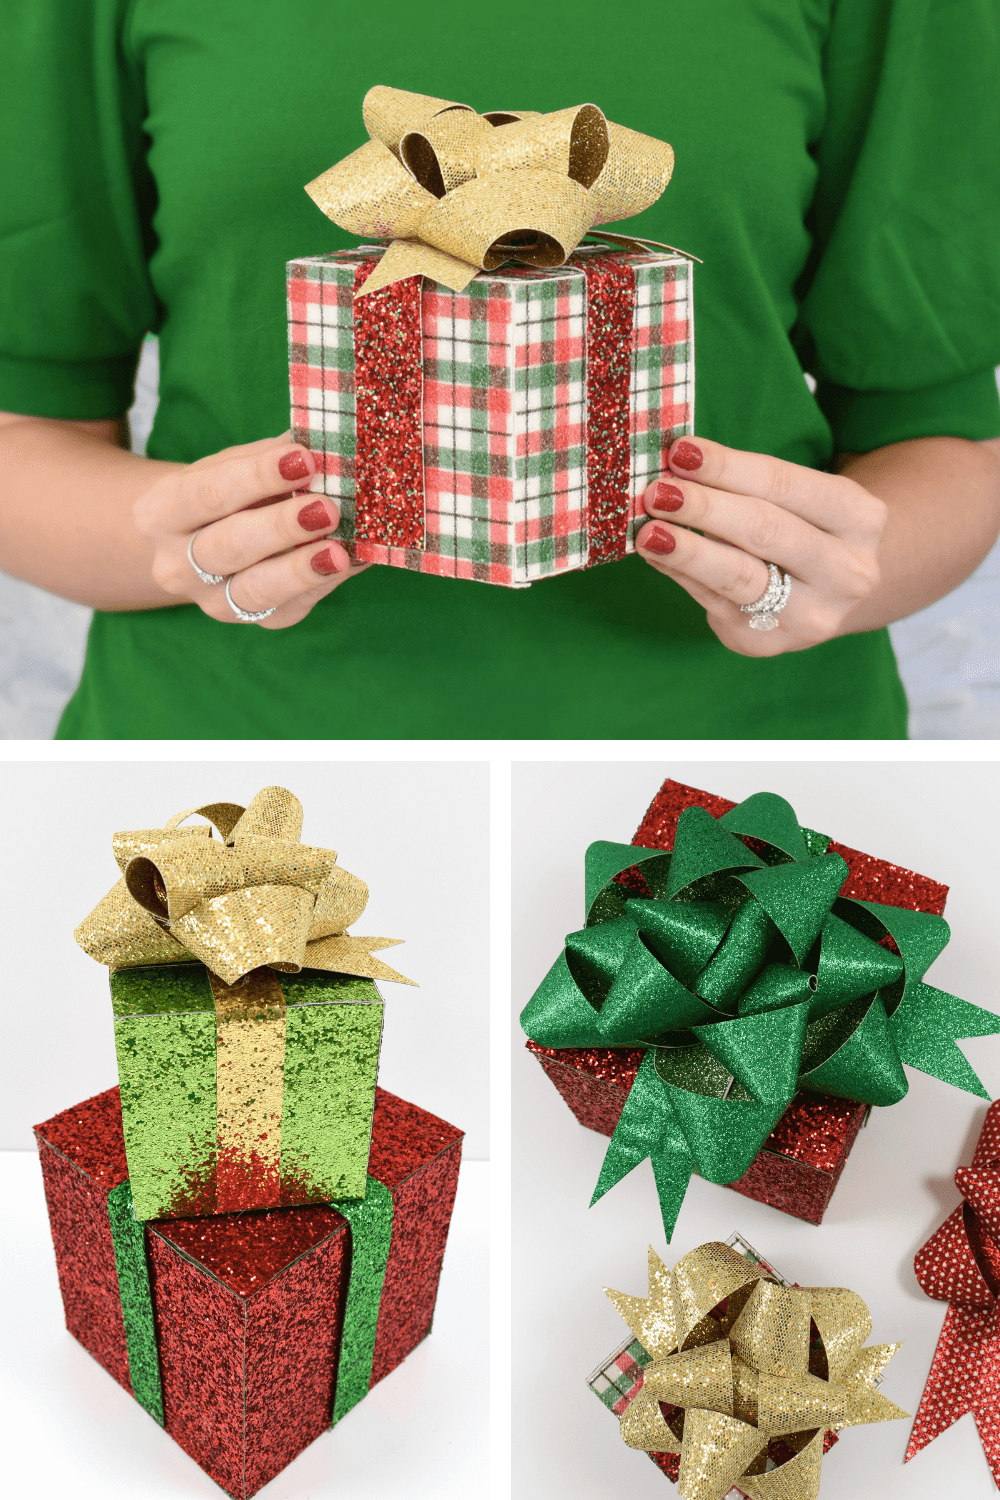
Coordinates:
[610,316]
[960,1264]
[389,463]
[389,383]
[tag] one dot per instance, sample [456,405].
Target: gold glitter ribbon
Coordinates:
[748,1365]
[458,192]
[259,898]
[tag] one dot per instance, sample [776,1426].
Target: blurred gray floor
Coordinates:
[949,655]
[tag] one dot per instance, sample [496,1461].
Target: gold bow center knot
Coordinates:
[458,192]
[747,1361]
[258,898]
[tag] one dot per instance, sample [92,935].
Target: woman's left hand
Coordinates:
[821,529]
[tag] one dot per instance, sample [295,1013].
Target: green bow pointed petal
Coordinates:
[919,935]
[761,1051]
[767,817]
[646,1000]
[603,861]
[558,1014]
[673,1168]
[925,1028]
[684,934]
[702,848]
[777,985]
[646,1125]
[850,965]
[595,955]
[740,956]
[851,1053]
[798,897]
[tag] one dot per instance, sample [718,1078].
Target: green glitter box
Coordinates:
[250,1096]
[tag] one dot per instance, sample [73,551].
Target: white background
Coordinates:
[942,820]
[417,834]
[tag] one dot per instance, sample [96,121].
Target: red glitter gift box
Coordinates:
[248,1308]
[800,1165]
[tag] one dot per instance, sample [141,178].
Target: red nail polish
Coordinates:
[294,465]
[667,496]
[314,517]
[686,456]
[659,540]
[324,562]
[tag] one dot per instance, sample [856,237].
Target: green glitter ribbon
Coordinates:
[129,1240]
[370,1219]
[747,978]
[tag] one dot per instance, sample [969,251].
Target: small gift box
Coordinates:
[745,986]
[479,422]
[248,1335]
[736,1379]
[247,1023]
[960,1265]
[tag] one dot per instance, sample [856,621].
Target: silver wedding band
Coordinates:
[205,577]
[764,611]
[249,617]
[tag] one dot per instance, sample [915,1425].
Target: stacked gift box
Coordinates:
[248,1232]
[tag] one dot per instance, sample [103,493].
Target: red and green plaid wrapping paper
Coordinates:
[504,408]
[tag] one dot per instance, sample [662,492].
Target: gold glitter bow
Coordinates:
[258,898]
[457,191]
[734,1356]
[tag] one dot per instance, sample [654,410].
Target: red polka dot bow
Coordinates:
[960,1264]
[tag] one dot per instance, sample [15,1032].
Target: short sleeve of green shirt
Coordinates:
[900,312]
[75,210]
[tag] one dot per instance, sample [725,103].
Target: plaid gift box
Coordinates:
[523,418]
[244,1096]
[246,1335]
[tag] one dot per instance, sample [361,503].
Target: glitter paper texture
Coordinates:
[248,1306]
[743,1341]
[610,305]
[745,971]
[960,1264]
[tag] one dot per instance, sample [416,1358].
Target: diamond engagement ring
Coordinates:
[764,611]
[205,577]
[249,617]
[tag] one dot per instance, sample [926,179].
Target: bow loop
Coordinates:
[260,899]
[457,191]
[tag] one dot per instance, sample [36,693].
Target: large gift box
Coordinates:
[745,989]
[247,1335]
[247,1021]
[475,418]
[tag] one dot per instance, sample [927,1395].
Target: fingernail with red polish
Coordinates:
[324,562]
[667,496]
[294,465]
[686,456]
[314,517]
[659,540]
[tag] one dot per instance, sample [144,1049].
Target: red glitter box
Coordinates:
[248,1307]
[800,1165]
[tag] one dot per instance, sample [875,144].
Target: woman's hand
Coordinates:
[252,523]
[822,529]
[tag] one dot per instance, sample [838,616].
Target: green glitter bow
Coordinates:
[746,978]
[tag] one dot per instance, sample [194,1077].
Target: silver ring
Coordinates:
[205,577]
[249,617]
[764,611]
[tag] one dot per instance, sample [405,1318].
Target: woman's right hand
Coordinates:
[255,526]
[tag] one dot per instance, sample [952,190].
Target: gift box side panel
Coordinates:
[321,374]
[422,1208]
[661,392]
[548,343]
[330,1068]
[596,1102]
[292,1336]
[85,1260]
[167,1072]
[201,1336]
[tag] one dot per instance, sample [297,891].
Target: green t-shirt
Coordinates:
[836,171]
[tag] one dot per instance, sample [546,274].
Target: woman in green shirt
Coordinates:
[836,170]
